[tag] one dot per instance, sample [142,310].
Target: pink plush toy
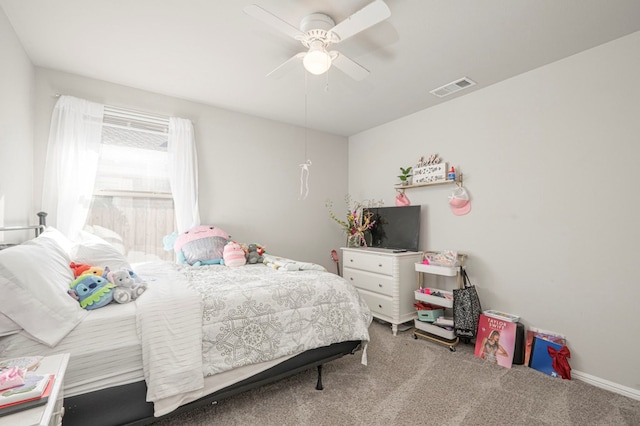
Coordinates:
[200,245]
[234,255]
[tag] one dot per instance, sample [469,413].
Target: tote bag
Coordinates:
[466,309]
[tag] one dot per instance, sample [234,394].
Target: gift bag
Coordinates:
[466,308]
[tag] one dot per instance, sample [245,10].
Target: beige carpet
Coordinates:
[418,382]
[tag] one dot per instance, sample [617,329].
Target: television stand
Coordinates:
[385,280]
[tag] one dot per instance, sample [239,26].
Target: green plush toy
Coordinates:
[91,291]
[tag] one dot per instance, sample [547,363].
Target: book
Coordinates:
[532,333]
[26,404]
[496,340]
[33,387]
[540,358]
[501,315]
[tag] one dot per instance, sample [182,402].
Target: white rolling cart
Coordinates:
[426,330]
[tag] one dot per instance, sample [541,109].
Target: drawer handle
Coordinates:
[379,306]
[380,285]
[351,278]
[379,265]
[351,260]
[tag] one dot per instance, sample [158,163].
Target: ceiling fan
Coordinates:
[317,32]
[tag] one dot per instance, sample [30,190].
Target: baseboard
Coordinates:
[606,384]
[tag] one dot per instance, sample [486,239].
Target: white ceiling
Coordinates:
[210,51]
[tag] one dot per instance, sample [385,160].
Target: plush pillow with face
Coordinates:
[201,245]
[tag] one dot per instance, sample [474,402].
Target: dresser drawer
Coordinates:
[368,262]
[379,304]
[376,283]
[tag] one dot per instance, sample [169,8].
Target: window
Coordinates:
[132,207]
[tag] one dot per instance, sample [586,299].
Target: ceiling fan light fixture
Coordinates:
[318,31]
[317,60]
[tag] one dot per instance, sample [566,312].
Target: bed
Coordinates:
[195,336]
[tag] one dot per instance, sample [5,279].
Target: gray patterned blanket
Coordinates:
[197,321]
[255,313]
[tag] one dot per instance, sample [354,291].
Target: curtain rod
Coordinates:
[57,95]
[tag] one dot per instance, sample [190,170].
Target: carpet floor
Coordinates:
[418,382]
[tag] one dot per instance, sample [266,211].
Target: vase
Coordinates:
[354,240]
[360,239]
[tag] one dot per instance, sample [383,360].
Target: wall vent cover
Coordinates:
[453,87]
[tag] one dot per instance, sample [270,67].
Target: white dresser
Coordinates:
[386,281]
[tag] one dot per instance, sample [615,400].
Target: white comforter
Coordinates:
[201,321]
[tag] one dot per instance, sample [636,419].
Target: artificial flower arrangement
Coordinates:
[358,219]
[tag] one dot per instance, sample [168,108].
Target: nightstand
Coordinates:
[51,413]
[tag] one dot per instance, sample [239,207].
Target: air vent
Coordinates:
[453,87]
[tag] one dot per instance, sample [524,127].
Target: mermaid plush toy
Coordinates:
[200,245]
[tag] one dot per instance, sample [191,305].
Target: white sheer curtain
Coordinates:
[183,173]
[72,161]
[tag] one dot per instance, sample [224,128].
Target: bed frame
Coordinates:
[127,405]
[42,223]
[97,408]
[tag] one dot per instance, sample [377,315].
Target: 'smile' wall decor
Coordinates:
[430,170]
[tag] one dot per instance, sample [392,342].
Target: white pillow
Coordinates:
[94,251]
[57,236]
[108,235]
[35,277]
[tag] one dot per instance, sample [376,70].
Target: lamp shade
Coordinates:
[317,61]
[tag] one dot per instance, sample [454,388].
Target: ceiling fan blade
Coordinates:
[270,19]
[287,65]
[349,66]
[366,17]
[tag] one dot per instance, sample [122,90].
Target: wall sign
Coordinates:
[429,170]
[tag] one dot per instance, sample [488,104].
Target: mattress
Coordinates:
[105,348]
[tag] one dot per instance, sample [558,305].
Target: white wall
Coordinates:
[16,134]
[248,167]
[550,159]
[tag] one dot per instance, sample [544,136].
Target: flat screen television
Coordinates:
[396,228]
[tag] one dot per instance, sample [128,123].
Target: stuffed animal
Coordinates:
[254,254]
[126,288]
[132,274]
[91,291]
[84,269]
[234,255]
[201,245]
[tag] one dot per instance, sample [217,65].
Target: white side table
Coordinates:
[51,413]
